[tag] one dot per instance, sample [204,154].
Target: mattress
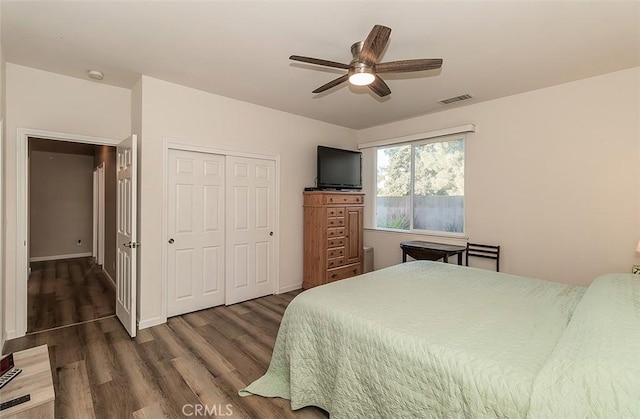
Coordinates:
[420,339]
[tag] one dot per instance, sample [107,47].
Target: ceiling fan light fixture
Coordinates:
[362,76]
[365,65]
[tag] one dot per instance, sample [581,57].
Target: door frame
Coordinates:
[94,252]
[170,143]
[22,216]
[99,206]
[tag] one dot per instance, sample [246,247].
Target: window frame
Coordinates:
[413,144]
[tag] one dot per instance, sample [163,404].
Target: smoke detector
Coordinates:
[95,74]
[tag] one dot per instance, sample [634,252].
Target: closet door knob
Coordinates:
[171,241]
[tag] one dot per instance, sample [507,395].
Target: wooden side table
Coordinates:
[35,380]
[431,251]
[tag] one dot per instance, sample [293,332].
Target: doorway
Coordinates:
[126,175]
[220,227]
[67,284]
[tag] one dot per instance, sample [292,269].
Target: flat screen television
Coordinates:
[339,169]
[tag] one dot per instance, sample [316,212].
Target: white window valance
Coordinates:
[420,136]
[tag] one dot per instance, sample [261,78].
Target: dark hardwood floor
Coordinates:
[201,358]
[67,291]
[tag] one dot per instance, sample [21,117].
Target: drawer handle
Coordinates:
[334,276]
[355,271]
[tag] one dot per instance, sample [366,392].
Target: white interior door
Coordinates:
[195,227]
[250,209]
[126,243]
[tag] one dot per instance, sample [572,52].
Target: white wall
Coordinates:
[552,175]
[2,177]
[136,129]
[60,203]
[170,110]
[42,100]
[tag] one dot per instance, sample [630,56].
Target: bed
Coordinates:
[428,339]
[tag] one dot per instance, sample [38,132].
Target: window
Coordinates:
[420,186]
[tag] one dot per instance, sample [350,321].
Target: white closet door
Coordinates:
[250,209]
[195,217]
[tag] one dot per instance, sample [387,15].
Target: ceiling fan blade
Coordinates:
[379,87]
[331,84]
[318,61]
[409,65]
[374,44]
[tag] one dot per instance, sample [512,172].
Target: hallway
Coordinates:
[67,291]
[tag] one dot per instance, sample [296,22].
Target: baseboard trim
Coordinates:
[11,334]
[288,288]
[111,281]
[58,257]
[144,324]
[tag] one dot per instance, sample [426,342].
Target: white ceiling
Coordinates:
[240,49]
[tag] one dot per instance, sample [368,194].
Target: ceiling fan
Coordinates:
[364,68]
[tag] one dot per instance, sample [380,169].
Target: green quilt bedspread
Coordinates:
[594,371]
[421,339]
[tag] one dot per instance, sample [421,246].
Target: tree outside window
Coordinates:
[421,186]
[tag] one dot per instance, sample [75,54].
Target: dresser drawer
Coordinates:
[342,199]
[343,272]
[335,212]
[335,253]
[335,222]
[334,263]
[338,242]
[335,232]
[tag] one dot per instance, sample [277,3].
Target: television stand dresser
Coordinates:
[333,242]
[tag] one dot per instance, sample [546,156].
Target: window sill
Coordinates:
[459,237]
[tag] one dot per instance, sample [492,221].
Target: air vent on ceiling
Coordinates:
[455,99]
